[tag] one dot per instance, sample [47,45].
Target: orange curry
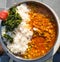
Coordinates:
[43,38]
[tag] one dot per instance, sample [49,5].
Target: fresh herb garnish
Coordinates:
[9,38]
[13,20]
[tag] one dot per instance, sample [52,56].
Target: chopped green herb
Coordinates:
[13,20]
[9,38]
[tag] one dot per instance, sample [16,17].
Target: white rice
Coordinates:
[3,30]
[23,32]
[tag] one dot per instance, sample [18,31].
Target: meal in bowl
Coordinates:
[29,31]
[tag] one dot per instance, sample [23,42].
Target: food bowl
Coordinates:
[43,9]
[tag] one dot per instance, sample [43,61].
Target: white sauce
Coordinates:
[23,32]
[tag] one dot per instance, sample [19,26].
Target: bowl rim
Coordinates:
[54,47]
